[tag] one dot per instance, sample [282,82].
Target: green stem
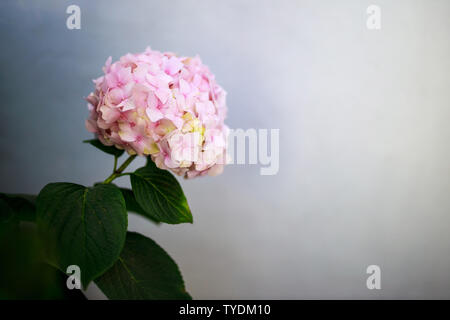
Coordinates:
[123,174]
[115,163]
[118,173]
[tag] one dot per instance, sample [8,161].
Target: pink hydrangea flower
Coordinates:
[164,106]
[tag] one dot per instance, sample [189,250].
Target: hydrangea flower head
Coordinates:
[163,106]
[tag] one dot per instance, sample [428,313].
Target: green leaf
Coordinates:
[6,213]
[133,206]
[84,226]
[22,206]
[108,149]
[8,221]
[24,275]
[160,195]
[143,271]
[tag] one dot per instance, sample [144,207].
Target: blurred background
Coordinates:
[364,173]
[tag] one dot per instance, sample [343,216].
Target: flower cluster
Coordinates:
[163,106]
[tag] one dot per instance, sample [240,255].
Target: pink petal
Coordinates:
[163,94]
[111,80]
[184,87]
[109,114]
[127,105]
[107,66]
[116,95]
[91,125]
[154,114]
[173,65]
[126,133]
[152,101]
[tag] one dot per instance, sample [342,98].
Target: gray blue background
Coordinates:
[364,131]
